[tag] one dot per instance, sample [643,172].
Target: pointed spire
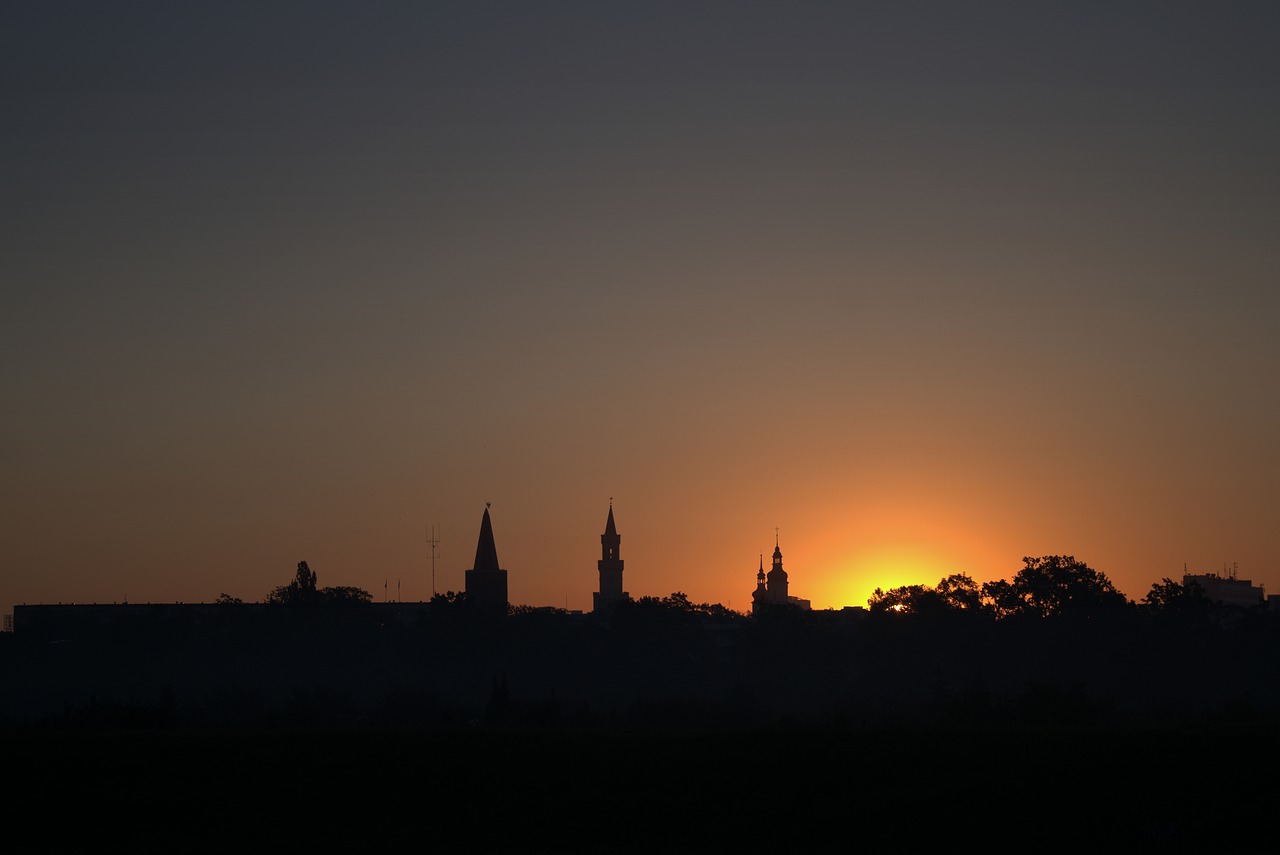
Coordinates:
[777,573]
[486,551]
[610,529]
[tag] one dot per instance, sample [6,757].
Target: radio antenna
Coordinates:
[433,540]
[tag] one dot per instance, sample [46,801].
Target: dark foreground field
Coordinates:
[660,729]
[779,790]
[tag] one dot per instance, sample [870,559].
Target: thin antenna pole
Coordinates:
[433,540]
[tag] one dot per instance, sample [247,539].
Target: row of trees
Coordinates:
[1047,586]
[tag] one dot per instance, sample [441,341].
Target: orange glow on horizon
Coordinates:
[897,544]
[895,565]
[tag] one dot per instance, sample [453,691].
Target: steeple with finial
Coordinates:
[761,593]
[610,567]
[777,576]
[610,541]
[486,581]
[773,588]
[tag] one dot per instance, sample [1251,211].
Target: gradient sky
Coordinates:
[924,287]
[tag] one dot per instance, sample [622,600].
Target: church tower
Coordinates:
[777,576]
[610,567]
[760,596]
[772,588]
[486,582]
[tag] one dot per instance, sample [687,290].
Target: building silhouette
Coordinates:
[773,588]
[610,566]
[486,582]
[1227,588]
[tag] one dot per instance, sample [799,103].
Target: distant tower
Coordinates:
[777,576]
[610,566]
[760,595]
[486,582]
[772,587]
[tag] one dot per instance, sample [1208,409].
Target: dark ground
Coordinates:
[546,733]
[781,790]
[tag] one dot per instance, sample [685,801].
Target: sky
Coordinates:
[907,288]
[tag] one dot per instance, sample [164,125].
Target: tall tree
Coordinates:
[1053,585]
[1170,597]
[301,591]
[957,592]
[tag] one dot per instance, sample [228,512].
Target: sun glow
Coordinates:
[893,565]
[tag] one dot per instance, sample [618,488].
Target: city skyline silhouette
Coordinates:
[1075,711]
[965,311]
[486,585]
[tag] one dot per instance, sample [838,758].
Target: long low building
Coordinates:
[1228,590]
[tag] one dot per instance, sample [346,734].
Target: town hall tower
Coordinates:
[610,566]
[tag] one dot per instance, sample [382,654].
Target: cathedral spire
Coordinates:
[486,581]
[610,530]
[486,550]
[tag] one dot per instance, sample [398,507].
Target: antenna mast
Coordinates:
[433,540]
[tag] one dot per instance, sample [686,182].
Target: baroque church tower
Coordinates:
[486,582]
[777,576]
[610,566]
[772,588]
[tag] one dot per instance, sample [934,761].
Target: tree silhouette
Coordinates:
[340,595]
[302,591]
[1170,597]
[678,603]
[1002,598]
[905,599]
[449,598]
[957,592]
[1053,585]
